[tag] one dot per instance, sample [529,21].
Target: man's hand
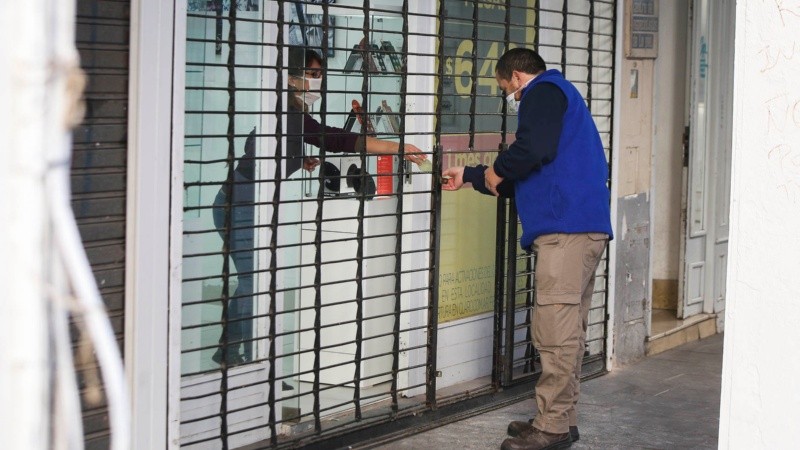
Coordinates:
[310,164]
[453,178]
[491,180]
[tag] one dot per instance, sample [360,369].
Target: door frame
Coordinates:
[695,149]
[147,224]
[715,158]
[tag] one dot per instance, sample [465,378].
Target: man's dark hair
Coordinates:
[519,59]
[300,58]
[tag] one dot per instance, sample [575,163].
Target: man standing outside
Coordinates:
[557,171]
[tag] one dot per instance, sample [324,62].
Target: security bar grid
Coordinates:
[310,298]
[586,33]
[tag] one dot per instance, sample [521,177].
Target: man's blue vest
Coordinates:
[570,194]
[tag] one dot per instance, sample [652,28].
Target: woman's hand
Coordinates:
[411,152]
[414,154]
[310,164]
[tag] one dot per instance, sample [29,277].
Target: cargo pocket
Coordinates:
[557,281]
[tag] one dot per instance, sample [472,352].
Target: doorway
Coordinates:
[693,305]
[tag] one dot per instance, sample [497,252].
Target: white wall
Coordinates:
[636,126]
[760,387]
[668,124]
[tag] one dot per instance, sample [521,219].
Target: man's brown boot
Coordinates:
[521,429]
[538,440]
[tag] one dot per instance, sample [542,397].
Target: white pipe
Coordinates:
[66,79]
[69,246]
[66,416]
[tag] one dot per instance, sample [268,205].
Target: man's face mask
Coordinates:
[512,102]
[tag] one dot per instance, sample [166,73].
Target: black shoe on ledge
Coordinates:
[538,440]
[521,429]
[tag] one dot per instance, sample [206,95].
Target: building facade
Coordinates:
[273,306]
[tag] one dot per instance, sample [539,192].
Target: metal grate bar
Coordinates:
[360,231]
[398,248]
[223,406]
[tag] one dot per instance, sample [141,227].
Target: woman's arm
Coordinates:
[339,140]
[381,147]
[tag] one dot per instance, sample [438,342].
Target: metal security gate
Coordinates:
[578,39]
[99,181]
[310,304]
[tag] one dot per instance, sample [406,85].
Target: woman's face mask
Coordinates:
[313,93]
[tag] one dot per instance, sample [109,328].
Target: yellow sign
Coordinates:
[469,219]
[466,273]
[467,245]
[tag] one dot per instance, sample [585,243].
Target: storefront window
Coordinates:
[293,305]
[323,285]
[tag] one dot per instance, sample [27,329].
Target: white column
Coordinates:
[760,405]
[24,383]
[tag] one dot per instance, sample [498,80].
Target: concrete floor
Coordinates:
[666,401]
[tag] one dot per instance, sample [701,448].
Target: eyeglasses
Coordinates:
[313,73]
